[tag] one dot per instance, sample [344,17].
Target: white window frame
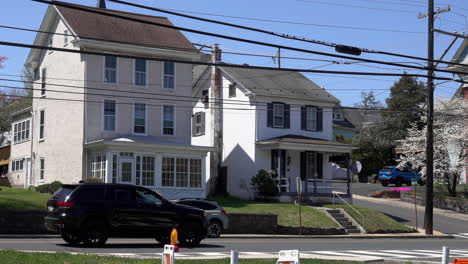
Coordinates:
[173,121]
[41,125]
[104,114]
[164,74]
[105,68]
[103,166]
[41,169]
[65,37]
[198,125]
[135,72]
[309,110]
[17,165]
[140,177]
[275,115]
[18,132]
[174,172]
[146,119]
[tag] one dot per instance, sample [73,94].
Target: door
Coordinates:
[155,214]
[127,171]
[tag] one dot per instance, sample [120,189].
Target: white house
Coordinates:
[264,119]
[118,119]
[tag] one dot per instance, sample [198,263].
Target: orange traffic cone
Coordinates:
[174,240]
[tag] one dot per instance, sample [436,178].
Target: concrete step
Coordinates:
[333,211]
[338,215]
[349,227]
[4,182]
[353,231]
[342,218]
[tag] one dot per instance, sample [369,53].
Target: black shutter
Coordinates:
[303,118]
[320,165]
[203,123]
[270,115]
[287,115]
[194,122]
[283,163]
[319,119]
[303,166]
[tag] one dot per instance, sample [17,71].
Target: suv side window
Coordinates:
[204,206]
[147,197]
[123,194]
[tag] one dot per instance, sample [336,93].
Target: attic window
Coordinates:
[232,90]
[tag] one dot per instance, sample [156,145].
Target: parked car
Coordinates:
[89,213]
[392,174]
[215,215]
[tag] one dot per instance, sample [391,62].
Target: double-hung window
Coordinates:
[110,71]
[198,124]
[140,72]
[168,120]
[278,115]
[41,124]
[109,115]
[21,131]
[17,165]
[311,118]
[181,172]
[98,166]
[43,81]
[168,75]
[139,119]
[42,169]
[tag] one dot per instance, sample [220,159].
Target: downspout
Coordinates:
[32,153]
[85,119]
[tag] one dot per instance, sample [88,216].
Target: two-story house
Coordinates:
[123,120]
[265,119]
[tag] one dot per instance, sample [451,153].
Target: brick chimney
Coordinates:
[101,4]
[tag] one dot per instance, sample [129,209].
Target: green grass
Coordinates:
[374,221]
[15,257]
[288,214]
[22,199]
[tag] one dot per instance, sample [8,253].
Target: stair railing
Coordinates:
[341,198]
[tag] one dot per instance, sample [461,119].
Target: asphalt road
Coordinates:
[365,189]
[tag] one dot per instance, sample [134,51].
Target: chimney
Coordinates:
[101,4]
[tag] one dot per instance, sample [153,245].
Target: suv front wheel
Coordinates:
[94,233]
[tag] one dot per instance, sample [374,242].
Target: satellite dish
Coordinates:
[356,167]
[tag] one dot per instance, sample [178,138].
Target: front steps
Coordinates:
[344,221]
[5,182]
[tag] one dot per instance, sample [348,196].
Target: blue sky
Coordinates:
[375,14]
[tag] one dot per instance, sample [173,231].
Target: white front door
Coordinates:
[127,171]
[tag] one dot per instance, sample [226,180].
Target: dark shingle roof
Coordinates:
[92,25]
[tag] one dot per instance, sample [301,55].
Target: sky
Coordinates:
[384,25]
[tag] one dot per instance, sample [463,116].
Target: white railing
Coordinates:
[341,198]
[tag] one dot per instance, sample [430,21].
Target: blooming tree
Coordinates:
[2,60]
[449,143]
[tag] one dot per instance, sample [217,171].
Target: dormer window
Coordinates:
[337,115]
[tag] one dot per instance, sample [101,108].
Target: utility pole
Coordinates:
[279,58]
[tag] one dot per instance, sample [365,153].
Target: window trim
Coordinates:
[146,74]
[174,121]
[104,114]
[282,115]
[189,158]
[13,130]
[41,125]
[146,118]
[200,125]
[163,74]
[307,118]
[103,169]
[155,169]
[19,161]
[116,69]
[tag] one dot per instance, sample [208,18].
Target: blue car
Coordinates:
[393,175]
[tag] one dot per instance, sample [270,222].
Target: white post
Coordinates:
[234,256]
[445,255]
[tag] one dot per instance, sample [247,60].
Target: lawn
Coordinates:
[374,221]
[15,257]
[22,199]
[288,214]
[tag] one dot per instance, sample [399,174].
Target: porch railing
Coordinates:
[313,186]
[350,206]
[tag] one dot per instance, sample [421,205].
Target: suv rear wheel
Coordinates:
[71,238]
[94,233]
[190,236]
[215,228]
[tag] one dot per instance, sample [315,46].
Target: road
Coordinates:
[402,249]
[365,189]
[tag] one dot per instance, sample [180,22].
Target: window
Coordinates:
[98,166]
[337,115]
[17,165]
[310,165]
[109,115]
[43,81]
[42,169]
[110,75]
[139,119]
[65,37]
[168,120]
[41,124]
[169,75]
[146,170]
[147,197]
[181,172]
[21,131]
[198,125]
[278,115]
[232,90]
[50,42]
[311,118]
[140,72]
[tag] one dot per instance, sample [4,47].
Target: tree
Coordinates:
[369,101]
[449,143]
[2,60]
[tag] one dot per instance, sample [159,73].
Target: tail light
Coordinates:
[65,204]
[223,212]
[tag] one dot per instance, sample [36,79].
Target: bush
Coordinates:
[49,187]
[32,188]
[93,180]
[264,183]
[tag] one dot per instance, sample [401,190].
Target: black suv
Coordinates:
[89,213]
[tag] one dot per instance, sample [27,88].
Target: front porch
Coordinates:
[311,163]
[175,171]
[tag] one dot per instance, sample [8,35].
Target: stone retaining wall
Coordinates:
[15,221]
[457,205]
[240,223]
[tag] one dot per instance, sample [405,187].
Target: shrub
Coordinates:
[93,180]
[49,187]
[264,183]
[32,188]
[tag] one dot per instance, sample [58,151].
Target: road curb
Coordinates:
[367,236]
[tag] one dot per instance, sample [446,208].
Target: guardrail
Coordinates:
[337,195]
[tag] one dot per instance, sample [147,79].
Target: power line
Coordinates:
[233,38]
[282,35]
[356,6]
